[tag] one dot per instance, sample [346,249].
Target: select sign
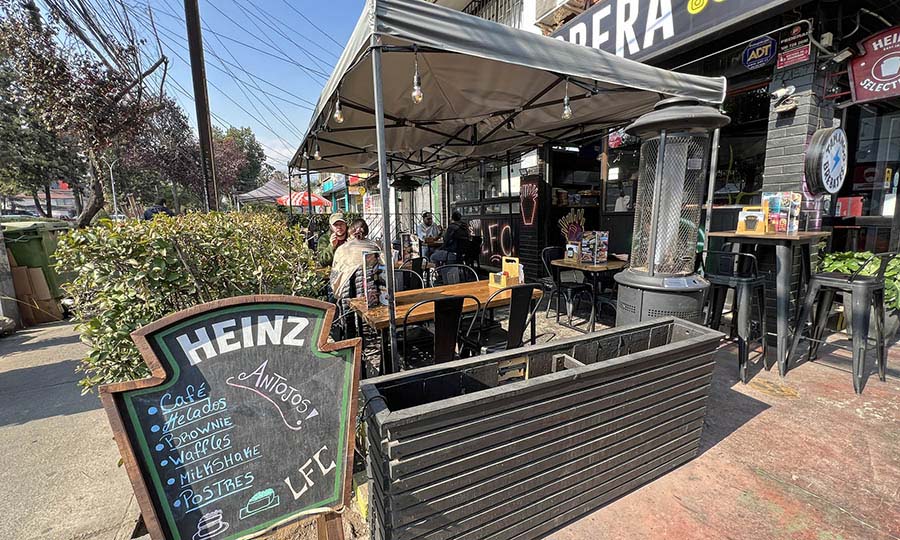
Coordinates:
[826,161]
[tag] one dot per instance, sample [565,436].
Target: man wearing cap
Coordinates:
[427,231]
[332,239]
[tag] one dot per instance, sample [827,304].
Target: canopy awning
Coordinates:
[488,89]
[268,192]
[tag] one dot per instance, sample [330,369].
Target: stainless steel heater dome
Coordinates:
[660,280]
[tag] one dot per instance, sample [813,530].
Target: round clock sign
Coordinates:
[826,161]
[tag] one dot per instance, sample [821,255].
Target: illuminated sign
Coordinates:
[528,202]
[642,29]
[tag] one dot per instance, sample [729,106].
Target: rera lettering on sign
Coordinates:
[876,73]
[642,29]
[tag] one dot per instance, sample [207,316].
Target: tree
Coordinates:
[93,94]
[231,160]
[32,156]
[248,176]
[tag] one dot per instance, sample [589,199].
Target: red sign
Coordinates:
[876,74]
[793,47]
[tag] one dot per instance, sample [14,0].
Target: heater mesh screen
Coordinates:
[643,205]
[684,166]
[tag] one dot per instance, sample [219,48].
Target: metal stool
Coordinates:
[736,271]
[865,291]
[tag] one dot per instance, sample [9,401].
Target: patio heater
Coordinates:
[660,280]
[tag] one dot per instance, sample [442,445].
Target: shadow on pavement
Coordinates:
[43,391]
[728,409]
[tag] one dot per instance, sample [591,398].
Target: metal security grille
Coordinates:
[508,12]
[678,207]
[643,207]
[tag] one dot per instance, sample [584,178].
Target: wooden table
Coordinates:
[785,246]
[379,318]
[575,264]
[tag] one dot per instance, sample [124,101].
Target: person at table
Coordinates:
[333,238]
[455,235]
[427,231]
[348,258]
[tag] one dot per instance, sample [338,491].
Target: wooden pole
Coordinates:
[201,102]
[330,526]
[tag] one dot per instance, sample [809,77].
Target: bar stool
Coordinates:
[864,291]
[736,271]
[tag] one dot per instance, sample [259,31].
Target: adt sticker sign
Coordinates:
[876,74]
[247,422]
[759,52]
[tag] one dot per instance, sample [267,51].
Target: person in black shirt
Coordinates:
[452,249]
[159,208]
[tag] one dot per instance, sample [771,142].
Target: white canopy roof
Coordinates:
[489,88]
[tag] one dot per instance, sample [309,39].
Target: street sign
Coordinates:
[247,422]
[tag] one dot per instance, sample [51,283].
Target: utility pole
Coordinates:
[201,101]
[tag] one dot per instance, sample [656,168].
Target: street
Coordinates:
[60,479]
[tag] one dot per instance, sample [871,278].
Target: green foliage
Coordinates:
[848,262]
[131,273]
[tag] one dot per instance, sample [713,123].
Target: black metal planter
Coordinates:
[474,450]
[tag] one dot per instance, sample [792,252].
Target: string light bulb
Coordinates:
[417,95]
[567,110]
[317,155]
[338,111]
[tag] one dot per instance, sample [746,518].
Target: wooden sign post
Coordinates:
[246,423]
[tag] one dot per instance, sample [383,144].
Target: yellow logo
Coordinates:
[696,6]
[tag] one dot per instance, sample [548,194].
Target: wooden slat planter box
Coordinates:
[473,450]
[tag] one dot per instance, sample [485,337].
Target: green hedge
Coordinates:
[130,273]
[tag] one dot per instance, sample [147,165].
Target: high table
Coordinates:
[786,294]
[593,271]
[378,318]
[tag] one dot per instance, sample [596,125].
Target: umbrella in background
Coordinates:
[302,198]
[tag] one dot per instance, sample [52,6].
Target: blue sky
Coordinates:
[279,58]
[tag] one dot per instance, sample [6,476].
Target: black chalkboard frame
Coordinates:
[111,399]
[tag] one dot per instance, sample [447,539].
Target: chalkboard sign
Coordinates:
[247,422]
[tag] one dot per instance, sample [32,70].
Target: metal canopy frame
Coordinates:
[416,28]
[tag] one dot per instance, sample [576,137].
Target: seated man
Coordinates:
[332,239]
[427,231]
[452,249]
[348,258]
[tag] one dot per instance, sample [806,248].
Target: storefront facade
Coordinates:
[804,49]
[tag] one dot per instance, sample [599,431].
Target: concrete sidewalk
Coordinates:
[59,478]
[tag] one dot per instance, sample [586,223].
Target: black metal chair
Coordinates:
[407,280]
[522,309]
[557,288]
[414,339]
[452,274]
[471,251]
[866,291]
[419,265]
[739,271]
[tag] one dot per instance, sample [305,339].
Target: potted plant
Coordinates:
[848,262]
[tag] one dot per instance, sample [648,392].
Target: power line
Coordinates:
[281,23]
[310,71]
[187,94]
[323,32]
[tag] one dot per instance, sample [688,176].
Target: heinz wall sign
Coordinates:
[876,74]
[642,29]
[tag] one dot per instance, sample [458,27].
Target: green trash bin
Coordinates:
[33,243]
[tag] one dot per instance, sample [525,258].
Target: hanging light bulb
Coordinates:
[567,110]
[338,111]
[317,155]
[417,94]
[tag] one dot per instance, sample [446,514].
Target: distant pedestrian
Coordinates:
[348,259]
[159,208]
